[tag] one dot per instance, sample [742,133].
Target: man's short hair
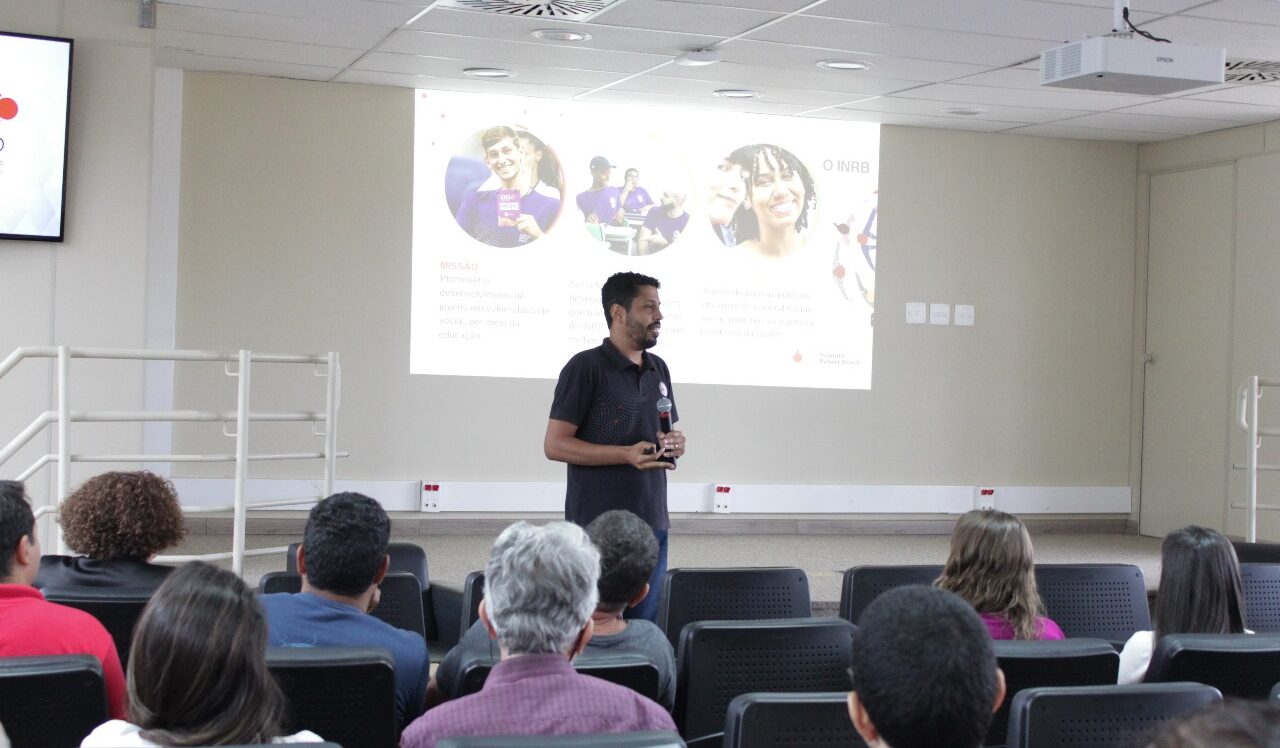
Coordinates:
[622,288]
[540,586]
[344,543]
[924,667]
[1237,723]
[16,522]
[496,135]
[628,555]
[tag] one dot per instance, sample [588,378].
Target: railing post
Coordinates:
[242,466]
[1251,459]
[64,441]
[331,425]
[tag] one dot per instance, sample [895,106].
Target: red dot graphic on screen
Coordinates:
[797,357]
[8,109]
[838,271]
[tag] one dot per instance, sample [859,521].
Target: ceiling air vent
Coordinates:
[568,10]
[1252,71]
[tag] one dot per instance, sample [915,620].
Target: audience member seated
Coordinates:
[992,566]
[924,672]
[31,625]
[1237,724]
[118,522]
[342,559]
[540,591]
[628,553]
[1200,593]
[198,669]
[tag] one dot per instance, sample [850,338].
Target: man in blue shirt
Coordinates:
[342,559]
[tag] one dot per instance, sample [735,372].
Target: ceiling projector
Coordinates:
[1121,63]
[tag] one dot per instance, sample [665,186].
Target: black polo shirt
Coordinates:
[613,401]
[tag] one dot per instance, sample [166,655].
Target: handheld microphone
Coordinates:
[664,423]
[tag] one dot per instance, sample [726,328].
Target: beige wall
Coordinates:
[295,235]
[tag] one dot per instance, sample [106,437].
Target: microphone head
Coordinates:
[664,404]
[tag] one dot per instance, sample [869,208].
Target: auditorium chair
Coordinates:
[117,610]
[400,604]
[1034,664]
[343,694]
[1098,601]
[1261,597]
[743,594]
[862,584]
[790,720]
[653,739]
[631,670]
[1245,666]
[55,700]
[472,594]
[719,660]
[1257,553]
[1102,716]
[406,557]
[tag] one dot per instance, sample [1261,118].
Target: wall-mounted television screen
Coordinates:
[35,89]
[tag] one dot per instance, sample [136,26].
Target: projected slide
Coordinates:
[761,229]
[34,74]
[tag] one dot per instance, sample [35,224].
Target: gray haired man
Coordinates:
[540,592]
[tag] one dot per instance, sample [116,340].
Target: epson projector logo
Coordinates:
[1164,59]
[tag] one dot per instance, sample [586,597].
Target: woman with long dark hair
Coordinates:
[992,566]
[779,205]
[198,671]
[1200,593]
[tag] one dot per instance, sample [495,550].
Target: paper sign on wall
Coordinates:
[939,314]
[915,312]
[964,315]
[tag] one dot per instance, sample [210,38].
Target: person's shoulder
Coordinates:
[651,714]
[306,736]
[645,629]
[401,643]
[115,733]
[1050,630]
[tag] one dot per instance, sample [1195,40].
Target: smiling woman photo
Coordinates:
[779,203]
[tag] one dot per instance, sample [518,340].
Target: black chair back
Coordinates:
[53,701]
[611,740]
[1246,666]
[400,604]
[117,610]
[1034,664]
[632,671]
[1098,601]
[790,720]
[862,584]
[719,660]
[472,594]
[1261,597]
[406,557]
[1102,716]
[343,694]
[746,594]
[1257,553]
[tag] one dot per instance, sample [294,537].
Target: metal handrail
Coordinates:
[1247,420]
[325,365]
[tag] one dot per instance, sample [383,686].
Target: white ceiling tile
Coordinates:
[214,45]
[1241,40]
[1048,98]
[1090,133]
[1048,22]
[531,52]
[778,6]
[235,65]
[499,28]
[912,120]
[790,57]
[360,12]
[1160,7]
[902,105]
[688,18]
[1246,11]
[276,28]
[1017,77]
[754,106]
[1199,108]
[448,68]
[1150,123]
[813,78]
[900,41]
[702,88]
[506,88]
[107,20]
[1253,93]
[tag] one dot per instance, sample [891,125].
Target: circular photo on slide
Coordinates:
[761,198]
[504,186]
[632,210]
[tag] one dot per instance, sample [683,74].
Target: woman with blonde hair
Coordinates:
[992,566]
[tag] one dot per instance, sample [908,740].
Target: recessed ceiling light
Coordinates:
[488,72]
[843,64]
[737,93]
[964,111]
[561,35]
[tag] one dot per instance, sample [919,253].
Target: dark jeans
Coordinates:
[648,607]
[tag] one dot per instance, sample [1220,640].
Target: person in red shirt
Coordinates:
[29,624]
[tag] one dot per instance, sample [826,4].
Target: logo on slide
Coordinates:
[8,108]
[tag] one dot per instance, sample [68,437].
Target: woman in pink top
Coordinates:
[992,565]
